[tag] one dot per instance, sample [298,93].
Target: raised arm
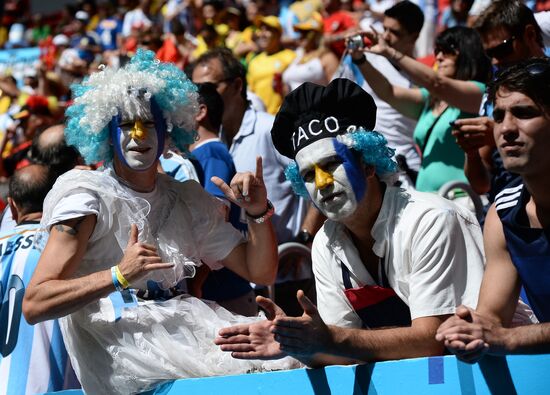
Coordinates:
[54,291]
[255,260]
[464,95]
[408,101]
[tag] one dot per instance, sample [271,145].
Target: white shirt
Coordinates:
[543,19]
[134,18]
[396,128]
[432,250]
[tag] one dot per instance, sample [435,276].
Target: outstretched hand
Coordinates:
[139,258]
[247,190]
[254,340]
[302,337]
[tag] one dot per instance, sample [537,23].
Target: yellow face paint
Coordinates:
[322,178]
[138,132]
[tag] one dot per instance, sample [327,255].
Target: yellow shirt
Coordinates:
[261,71]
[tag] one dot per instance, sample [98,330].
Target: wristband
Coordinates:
[121,279]
[260,219]
[116,283]
[304,237]
[359,61]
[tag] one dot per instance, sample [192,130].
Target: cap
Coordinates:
[313,112]
[60,39]
[270,21]
[82,15]
[35,104]
[314,22]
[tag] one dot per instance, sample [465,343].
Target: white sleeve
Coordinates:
[332,303]
[441,277]
[77,204]
[543,19]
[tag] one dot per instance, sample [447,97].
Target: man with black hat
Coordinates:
[386,257]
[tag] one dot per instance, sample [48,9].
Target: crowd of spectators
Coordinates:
[427,64]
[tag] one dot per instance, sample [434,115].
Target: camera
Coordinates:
[356,43]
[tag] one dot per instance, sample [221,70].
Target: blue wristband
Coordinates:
[116,283]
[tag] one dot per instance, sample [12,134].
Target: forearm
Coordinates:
[377,81]
[528,339]
[313,220]
[383,344]
[419,73]
[476,172]
[320,360]
[57,298]
[261,253]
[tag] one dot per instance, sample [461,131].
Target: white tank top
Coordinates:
[298,73]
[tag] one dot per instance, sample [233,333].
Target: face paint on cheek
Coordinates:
[353,169]
[115,132]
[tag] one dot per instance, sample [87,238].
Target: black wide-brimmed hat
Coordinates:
[312,112]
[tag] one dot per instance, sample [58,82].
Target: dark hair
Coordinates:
[29,192]
[209,96]
[231,67]
[59,156]
[530,77]
[512,15]
[472,63]
[408,14]
[176,27]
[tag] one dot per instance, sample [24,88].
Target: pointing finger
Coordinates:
[259,168]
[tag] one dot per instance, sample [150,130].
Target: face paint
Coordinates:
[333,177]
[139,143]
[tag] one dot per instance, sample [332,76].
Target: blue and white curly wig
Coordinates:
[373,148]
[112,94]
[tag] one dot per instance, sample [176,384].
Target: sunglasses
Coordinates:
[502,50]
[538,69]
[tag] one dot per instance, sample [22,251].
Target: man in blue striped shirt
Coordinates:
[33,359]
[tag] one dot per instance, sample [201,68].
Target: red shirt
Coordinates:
[338,22]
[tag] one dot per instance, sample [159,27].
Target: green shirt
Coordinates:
[442,158]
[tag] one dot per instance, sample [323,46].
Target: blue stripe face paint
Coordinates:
[333,177]
[117,138]
[353,169]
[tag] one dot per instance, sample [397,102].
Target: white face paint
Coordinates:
[323,170]
[138,143]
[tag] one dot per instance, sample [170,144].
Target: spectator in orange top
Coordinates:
[337,23]
[176,48]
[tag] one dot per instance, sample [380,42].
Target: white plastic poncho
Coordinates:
[155,341]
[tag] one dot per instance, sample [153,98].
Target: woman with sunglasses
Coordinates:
[314,62]
[452,90]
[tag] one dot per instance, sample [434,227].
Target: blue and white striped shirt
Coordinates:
[33,358]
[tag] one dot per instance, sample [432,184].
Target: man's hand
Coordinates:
[302,337]
[255,340]
[139,258]
[247,190]
[473,133]
[470,335]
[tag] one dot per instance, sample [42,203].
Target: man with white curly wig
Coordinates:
[126,227]
[385,258]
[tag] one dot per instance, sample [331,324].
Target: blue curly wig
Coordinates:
[112,92]
[373,148]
